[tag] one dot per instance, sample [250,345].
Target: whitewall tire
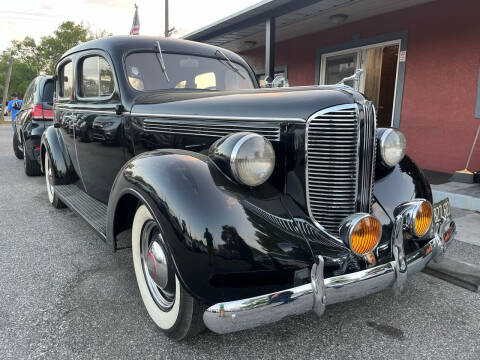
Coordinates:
[52,197]
[172,309]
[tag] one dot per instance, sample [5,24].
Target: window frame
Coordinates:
[79,78]
[477,105]
[61,67]
[360,52]
[358,41]
[247,69]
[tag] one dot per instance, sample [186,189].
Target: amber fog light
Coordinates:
[422,218]
[361,233]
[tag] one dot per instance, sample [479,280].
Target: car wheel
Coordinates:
[52,197]
[32,167]
[172,309]
[17,147]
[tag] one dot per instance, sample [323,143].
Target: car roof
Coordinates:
[122,44]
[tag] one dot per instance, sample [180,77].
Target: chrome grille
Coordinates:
[270,130]
[367,157]
[339,171]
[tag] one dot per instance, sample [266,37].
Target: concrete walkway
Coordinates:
[468,225]
[463,196]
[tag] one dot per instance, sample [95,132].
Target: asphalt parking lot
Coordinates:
[65,294]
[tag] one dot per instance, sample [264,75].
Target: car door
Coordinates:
[64,116]
[21,119]
[98,129]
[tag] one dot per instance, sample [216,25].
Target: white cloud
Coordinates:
[37,18]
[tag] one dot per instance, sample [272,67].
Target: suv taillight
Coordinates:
[39,113]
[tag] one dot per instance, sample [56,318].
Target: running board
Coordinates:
[91,210]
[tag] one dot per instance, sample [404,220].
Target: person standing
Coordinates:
[14,106]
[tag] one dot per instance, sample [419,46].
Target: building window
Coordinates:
[378,82]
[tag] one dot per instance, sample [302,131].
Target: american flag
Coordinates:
[136,23]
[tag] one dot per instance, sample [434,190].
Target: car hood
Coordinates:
[288,103]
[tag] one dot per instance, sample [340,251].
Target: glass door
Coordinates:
[378,81]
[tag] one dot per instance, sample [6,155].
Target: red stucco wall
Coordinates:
[442,68]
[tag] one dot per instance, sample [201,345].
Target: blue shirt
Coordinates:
[11,109]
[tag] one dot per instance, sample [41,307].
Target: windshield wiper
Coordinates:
[233,67]
[160,59]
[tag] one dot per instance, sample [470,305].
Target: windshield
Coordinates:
[146,73]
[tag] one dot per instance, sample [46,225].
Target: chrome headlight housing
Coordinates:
[392,146]
[247,157]
[417,215]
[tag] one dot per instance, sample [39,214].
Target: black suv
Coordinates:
[35,115]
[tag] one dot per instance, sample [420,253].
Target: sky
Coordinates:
[37,18]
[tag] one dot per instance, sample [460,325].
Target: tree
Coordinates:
[31,59]
[26,52]
[22,74]
[67,35]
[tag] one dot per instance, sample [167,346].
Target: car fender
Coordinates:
[400,184]
[53,145]
[222,249]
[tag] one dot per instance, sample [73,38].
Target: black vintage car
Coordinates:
[245,205]
[35,115]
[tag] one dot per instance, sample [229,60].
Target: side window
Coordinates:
[89,74]
[96,77]
[106,78]
[66,81]
[47,95]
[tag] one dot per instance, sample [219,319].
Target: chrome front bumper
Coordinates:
[248,313]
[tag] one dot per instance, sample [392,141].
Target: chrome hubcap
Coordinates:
[155,265]
[49,176]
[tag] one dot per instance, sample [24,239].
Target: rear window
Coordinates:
[189,72]
[47,95]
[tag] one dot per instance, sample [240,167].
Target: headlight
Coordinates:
[392,146]
[248,157]
[252,160]
[361,233]
[423,218]
[417,215]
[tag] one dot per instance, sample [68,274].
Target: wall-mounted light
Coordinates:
[338,19]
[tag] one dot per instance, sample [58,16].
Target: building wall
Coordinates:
[441,76]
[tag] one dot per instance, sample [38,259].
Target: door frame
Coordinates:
[396,38]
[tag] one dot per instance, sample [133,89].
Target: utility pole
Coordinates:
[167,30]
[7,84]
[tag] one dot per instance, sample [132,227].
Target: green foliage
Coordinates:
[31,59]
[67,35]
[22,74]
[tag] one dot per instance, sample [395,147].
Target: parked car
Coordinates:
[244,205]
[35,115]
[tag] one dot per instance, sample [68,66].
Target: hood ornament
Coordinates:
[355,78]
